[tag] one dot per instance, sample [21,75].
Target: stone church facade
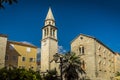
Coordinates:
[98,60]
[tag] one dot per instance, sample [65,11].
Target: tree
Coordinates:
[51,75]
[117,76]
[18,74]
[72,66]
[2,2]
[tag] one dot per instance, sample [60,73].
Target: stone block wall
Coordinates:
[3,44]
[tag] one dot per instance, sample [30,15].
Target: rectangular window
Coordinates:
[81,50]
[6,57]
[32,59]
[23,58]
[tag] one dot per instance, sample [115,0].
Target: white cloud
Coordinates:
[25,42]
[38,50]
[61,49]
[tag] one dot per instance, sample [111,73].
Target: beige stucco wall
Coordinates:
[20,51]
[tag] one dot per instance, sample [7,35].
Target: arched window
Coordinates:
[81,50]
[45,32]
[49,22]
[53,33]
[100,65]
[83,66]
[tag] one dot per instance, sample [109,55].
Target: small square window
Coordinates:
[23,58]
[81,38]
[28,49]
[32,59]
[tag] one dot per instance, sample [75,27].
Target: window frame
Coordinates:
[81,50]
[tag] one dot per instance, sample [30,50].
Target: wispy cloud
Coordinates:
[61,49]
[26,42]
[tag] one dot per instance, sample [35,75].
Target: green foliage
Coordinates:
[18,74]
[118,74]
[51,75]
[71,66]
[6,1]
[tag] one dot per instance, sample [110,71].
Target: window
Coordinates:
[53,32]
[99,47]
[81,50]
[45,32]
[28,49]
[6,57]
[49,22]
[32,59]
[23,58]
[31,68]
[100,65]
[81,38]
[83,65]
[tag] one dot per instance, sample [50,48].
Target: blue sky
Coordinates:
[99,18]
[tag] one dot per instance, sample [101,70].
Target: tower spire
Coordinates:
[49,15]
[49,43]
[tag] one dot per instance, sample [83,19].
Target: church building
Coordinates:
[98,60]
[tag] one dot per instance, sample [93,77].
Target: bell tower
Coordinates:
[49,42]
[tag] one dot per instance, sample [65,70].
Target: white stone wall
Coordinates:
[3,43]
[117,63]
[104,62]
[48,48]
[89,55]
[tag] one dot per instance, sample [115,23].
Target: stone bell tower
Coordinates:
[49,42]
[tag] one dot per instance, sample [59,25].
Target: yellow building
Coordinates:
[21,55]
